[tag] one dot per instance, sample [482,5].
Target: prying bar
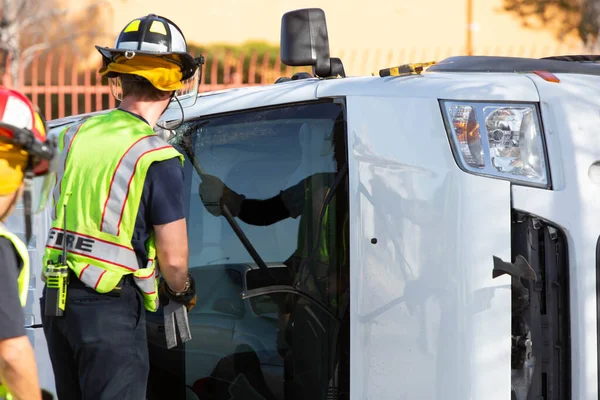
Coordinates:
[176,314]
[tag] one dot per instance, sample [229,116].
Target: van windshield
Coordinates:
[277,169]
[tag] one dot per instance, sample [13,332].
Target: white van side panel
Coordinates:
[427,319]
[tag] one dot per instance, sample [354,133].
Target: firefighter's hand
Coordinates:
[214,192]
[188,299]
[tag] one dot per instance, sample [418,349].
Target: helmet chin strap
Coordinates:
[182,114]
[28,181]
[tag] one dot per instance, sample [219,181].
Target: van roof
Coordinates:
[577,64]
[443,85]
[453,78]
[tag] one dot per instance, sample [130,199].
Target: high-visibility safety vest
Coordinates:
[315,191]
[102,168]
[22,280]
[23,253]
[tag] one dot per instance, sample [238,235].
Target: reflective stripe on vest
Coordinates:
[94,248]
[101,220]
[68,137]
[146,281]
[121,180]
[144,278]
[91,275]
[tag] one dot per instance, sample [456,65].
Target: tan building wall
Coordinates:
[367,35]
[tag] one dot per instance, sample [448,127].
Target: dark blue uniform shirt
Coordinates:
[162,202]
[11,313]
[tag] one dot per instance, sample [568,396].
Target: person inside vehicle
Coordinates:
[319,264]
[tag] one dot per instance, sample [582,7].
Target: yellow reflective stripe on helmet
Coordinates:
[68,138]
[114,207]
[94,248]
[133,26]
[39,124]
[158,27]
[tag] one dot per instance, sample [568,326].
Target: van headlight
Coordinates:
[499,140]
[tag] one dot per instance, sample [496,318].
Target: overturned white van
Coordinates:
[445,244]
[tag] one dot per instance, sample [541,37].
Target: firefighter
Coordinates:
[25,158]
[121,189]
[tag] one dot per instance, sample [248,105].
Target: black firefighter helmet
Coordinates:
[151,47]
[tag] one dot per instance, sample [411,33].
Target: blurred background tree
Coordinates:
[564,17]
[28,27]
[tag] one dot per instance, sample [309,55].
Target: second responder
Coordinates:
[25,155]
[318,266]
[122,193]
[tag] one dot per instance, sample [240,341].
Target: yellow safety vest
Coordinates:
[101,173]
[22,280]
[309,227]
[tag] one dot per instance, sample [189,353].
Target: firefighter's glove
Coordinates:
[214,193]
[188,298]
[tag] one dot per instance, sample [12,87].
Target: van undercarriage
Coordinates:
[540,312]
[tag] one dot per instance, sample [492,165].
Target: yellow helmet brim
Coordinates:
[162,74]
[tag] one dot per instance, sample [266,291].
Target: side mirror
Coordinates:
[305,42]
[227,306]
